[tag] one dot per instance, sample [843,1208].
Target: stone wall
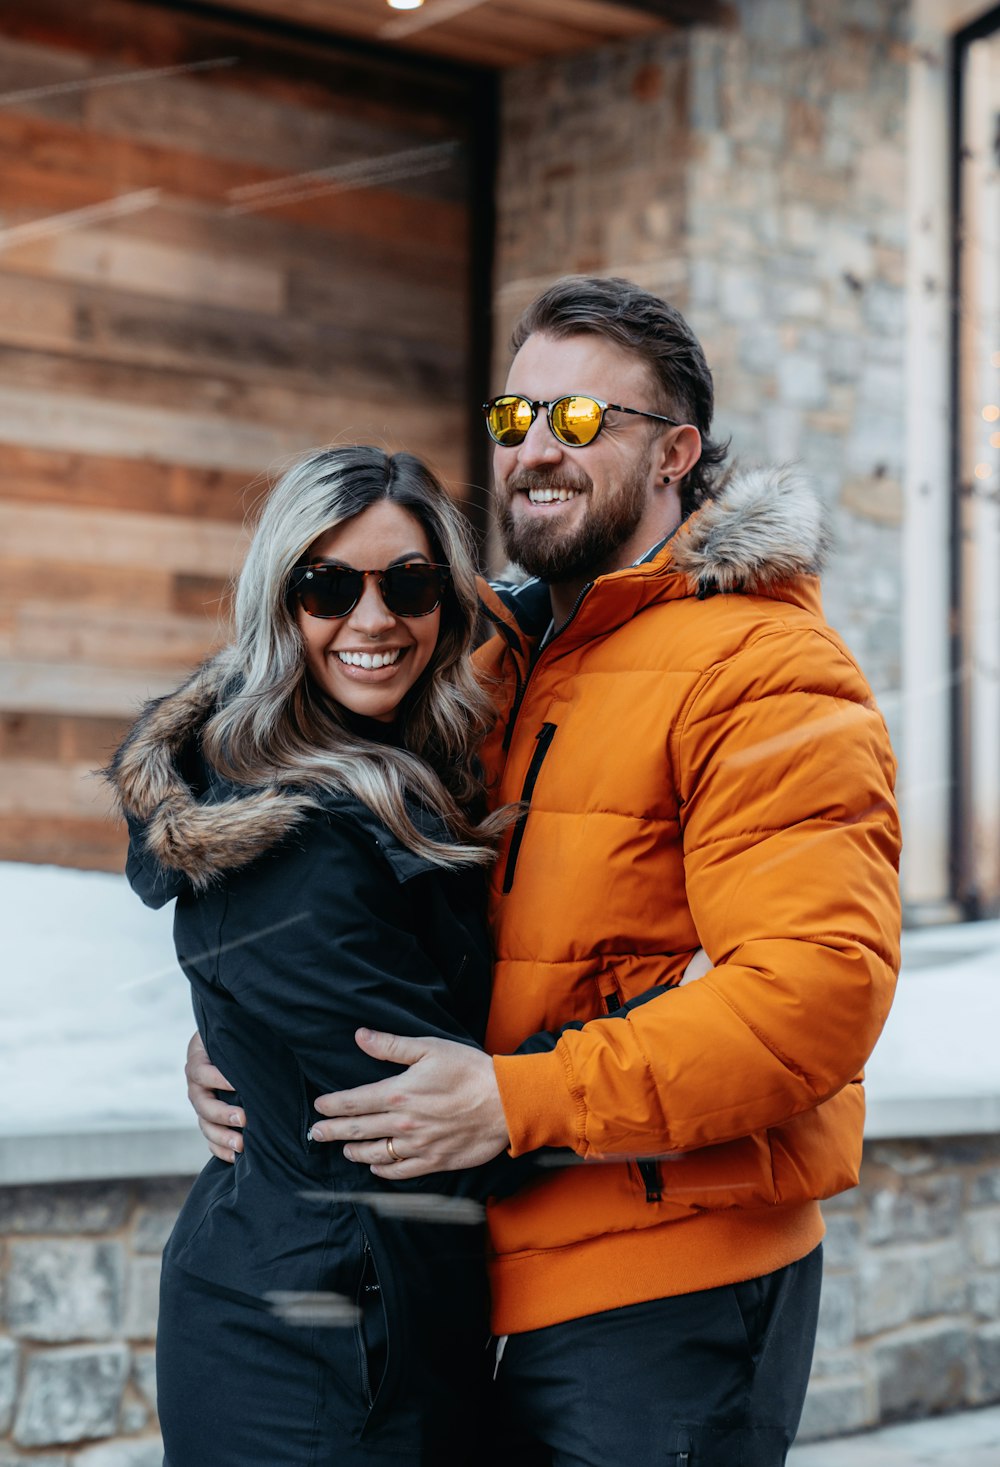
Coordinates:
[910,1313]
[80,1269]
[756,177]
[909,1323]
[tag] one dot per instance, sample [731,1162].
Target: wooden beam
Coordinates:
[68,688]
[61,840]
[44,475]
[98,537]
[60,738]
[31,786]
[330,339]
[103,637]
[110,258]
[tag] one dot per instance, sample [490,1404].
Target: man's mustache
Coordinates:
[525,479]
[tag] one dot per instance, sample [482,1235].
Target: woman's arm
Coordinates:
[219,1121]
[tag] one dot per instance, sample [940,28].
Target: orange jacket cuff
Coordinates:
[538,1102]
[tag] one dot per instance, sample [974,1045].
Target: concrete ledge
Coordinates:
[102,1155]
[897,1119]
[176,1151]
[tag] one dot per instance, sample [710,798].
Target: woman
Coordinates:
[310,799]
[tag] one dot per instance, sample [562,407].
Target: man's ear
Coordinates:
[680,452]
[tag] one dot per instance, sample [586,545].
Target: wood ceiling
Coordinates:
[490,33]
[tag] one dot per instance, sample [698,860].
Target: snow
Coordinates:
[94,1012]
[941,1036]
[95,1015]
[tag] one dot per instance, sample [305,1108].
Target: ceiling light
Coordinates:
[404,4]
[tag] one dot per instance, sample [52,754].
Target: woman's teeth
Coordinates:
[371,659]
[551,496]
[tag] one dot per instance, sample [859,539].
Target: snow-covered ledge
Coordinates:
[95,1017]
[935,1070]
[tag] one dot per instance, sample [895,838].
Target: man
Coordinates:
[695,916]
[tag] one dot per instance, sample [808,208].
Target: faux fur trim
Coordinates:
[767,525]
[204,841]
[201,839]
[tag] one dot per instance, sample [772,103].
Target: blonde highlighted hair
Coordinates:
[274,725]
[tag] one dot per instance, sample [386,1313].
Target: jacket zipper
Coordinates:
[543,741]
[521,684]
[647,1166]
[513,647]
[368,1286]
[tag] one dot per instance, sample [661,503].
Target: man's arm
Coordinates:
[791,847]
[452,1103]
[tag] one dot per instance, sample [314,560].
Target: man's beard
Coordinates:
[555,554]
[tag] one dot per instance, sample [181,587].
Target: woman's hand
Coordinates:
[443,1113]
[218,1119]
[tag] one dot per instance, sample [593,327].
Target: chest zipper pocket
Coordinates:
[543,742]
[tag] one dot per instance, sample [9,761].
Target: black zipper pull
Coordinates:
[649,1171]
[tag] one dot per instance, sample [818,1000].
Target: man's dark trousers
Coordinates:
[711,1379]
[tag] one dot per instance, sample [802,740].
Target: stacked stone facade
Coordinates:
[80,1267]
[756,177]
[909,1321]
[910,1313]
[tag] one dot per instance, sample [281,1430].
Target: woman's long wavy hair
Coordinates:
[274,725]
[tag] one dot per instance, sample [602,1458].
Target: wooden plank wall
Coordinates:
[177,320]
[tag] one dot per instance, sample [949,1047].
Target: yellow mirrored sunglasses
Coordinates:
[574,420]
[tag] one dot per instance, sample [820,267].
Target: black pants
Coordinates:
[237,1387]
[711,1379]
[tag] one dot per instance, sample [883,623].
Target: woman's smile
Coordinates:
[386,660]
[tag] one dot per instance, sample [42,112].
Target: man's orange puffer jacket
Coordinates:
[702,767]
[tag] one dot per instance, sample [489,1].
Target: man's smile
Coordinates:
[552,496]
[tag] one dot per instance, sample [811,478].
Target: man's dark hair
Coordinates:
[640,322]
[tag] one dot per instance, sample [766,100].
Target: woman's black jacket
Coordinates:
[295,925]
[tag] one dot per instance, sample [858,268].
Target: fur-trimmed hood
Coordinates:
[766,526]
[766,532]
[200,832]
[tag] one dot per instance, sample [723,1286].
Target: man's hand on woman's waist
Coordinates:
[443,1113]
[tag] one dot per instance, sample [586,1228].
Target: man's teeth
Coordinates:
[371,659]
[551,496]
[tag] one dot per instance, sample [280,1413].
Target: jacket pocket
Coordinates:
[646,1168]
[372,1329]
[610,990]
[684,1454]
[543,742]
[378,1333]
